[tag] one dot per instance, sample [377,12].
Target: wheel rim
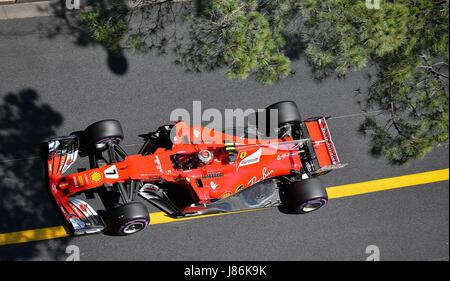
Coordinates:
[101,143]
[134,227]
[313,205]
[105,140]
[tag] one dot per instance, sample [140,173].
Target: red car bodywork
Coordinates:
[257,160]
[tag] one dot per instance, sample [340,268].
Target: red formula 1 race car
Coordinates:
[189,171]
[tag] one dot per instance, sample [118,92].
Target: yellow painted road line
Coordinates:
[333,193]
[388,183]
[25,236]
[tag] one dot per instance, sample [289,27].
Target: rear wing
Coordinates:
[334,158]
[323,145]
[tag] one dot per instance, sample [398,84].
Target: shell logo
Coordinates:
[96,176]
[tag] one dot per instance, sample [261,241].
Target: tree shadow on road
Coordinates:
[121,25]
[25,201]
[68,25]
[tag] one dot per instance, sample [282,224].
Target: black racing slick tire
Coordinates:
[287,112]
[302,197]
[288,119]
[129,218]
[103,131]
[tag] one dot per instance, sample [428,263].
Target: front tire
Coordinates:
[302,197]
[98,134]
[129,218]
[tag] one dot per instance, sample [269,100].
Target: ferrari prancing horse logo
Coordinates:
[251,159]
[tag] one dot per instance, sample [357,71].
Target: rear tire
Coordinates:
[302,197]
[129,218]
[287,113]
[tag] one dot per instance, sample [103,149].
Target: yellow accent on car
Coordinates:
[96,176]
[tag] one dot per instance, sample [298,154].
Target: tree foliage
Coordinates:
[345,35]
[243,36]
[405,40]
[140,25]
[106,26]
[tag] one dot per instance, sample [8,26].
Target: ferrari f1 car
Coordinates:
[183,173]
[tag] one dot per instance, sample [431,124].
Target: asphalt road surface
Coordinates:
[53,86]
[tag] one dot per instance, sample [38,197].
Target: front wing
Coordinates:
[62,153]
